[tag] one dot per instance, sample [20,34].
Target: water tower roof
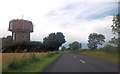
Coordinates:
[20,25]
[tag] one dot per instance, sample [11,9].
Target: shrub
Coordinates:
[109,49]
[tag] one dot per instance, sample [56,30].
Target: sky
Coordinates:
[76,19]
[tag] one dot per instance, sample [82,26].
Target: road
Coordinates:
[77,63]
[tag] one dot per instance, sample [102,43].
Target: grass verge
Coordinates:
[11,61]
[43,60]
[112,58]
[39,66]
[98,54]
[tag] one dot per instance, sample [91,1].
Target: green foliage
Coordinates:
[50,54]
[33,58]
[63,48]
[116,24]
[116,27]
[50,43]
[114,41]
[101,55]
[109,49]
[53,41]
[15,64]
[107,53]
[94,40]
[23,46]
[7,41]
[75,45]
[38,66]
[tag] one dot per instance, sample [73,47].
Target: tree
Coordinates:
[116,27]
[114,41]
[7,41]
[63,48]
[75,45]
[116,24]
[9,45]
[94,40]
[35,46]
[53,41]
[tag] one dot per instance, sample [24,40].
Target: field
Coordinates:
[25,62]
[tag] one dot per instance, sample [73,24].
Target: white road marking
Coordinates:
[82,61]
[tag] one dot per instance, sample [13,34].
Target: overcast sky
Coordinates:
[76,19]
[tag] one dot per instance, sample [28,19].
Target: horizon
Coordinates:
[76,19]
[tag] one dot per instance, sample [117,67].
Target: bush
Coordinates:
[109,49]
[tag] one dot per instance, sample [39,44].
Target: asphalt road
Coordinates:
[77,63]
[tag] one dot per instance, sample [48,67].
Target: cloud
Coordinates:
[64,20]
[84,10]
[79,30]
[82,31]
[75,18]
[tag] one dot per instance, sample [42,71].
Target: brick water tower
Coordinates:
[20,29]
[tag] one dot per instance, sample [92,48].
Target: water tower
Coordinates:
[20,29]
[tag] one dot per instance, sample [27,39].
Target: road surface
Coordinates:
[77,63]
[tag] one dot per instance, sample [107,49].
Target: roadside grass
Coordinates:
[41,65]
[113,57]
[102,54]
[43,60]
[69,51]
[17,58]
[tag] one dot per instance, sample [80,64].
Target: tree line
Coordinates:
[50,43]
[95,39]
[55,40]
